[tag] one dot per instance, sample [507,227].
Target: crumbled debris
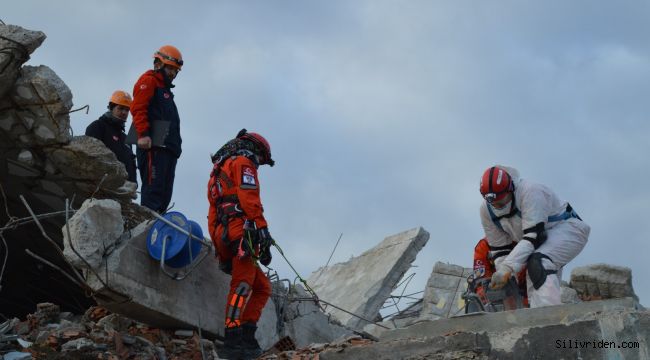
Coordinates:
[98,334]
[312,351]
[134,215]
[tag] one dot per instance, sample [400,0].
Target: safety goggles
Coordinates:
[494,197]
[167,57]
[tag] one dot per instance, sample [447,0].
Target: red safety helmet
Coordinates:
[260,142]
[169,55]
[496,183]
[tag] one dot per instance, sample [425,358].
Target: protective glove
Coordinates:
[266,241]
[249,240]
[500,277]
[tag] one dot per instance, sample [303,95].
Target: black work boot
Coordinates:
[232,344]
[250,348]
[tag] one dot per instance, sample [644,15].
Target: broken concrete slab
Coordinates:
[602,281]
[16,44]
[36,109]
[507,320]
[362,284]
[94,230]
[88,159]
[612,334]
[443,293]
[306,324]
[132,284]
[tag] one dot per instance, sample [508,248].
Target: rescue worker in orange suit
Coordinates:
[109,128]
[484,257]
[241,236]
[153,101]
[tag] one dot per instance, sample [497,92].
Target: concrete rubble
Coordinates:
[100,220]
[304,321]
[362,284]
[126,280]
[442,294]
[145,314]
[46,164]
[602,281]
[43,160]
[16,45]
[605,329]
[49,333]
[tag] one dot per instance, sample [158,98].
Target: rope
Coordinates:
[314,297]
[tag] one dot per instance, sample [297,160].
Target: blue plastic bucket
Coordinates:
[179,250]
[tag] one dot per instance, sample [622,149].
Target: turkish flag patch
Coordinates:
[248,176]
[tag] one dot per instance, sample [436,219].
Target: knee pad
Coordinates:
[536,270]
[243,289]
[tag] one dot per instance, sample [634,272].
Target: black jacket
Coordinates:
[110,131]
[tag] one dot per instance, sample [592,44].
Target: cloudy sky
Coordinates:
[382,115]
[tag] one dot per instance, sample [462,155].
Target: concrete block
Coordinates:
[41,102]
[442,295]
[94,229]
[137,288]
[87,159]
[362,284]
[307,324]
[12,56]
[602,281]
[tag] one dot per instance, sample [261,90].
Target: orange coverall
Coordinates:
[484,267]
[237,183]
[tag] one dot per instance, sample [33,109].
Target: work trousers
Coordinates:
[563,244]
[157,169]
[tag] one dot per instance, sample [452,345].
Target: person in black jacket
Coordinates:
[109,128]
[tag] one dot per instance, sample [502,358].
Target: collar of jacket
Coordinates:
[162,78]
[113,121]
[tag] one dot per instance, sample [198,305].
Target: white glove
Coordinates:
[501,276]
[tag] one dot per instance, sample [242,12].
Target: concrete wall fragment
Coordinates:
[362,284]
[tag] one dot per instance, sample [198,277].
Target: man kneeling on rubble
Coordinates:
[241,236]
[546,232]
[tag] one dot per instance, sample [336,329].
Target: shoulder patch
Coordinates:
[143,86]
[248,179]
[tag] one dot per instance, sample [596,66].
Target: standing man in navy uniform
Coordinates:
[154,108]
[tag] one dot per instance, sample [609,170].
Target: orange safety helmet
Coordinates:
[120,97]
[261,143]
[169,55]
[496,183]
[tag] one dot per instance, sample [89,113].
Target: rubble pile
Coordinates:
[314,351]
[98,334]
[142,307]
[41,153]
[43,165]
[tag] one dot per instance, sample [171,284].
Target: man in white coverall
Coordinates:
[545,231]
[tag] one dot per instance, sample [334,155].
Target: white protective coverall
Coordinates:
[565,238]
